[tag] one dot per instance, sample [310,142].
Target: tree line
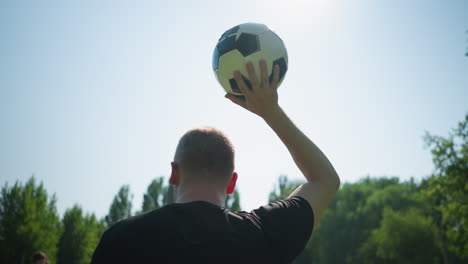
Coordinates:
[374,220]
[383,220]
[29,221]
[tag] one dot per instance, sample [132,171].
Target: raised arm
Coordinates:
[322,179]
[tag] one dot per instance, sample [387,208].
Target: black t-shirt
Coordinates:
[201,232]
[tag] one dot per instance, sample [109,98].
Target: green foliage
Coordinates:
[154,196]
[385,221]
[121,206]
[354,213]
[28,222]
[447,189]
[284,188]
[168,194]
[81,234]
[233,201]
[402,237]
[157,195]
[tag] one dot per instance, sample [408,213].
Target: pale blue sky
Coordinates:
[95,94]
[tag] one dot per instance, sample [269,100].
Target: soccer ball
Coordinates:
[243,43]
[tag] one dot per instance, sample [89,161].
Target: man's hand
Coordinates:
[262,99]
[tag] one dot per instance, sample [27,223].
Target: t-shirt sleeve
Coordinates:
[99,252]
[105,251]
[287,225]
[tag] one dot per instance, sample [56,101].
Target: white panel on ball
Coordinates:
[253,28]
[228,63]
[273,48]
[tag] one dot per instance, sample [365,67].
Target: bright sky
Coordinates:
[95,94]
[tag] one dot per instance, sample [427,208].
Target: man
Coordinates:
[39,258]
[197,228]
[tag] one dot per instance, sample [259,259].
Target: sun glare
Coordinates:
[297,9]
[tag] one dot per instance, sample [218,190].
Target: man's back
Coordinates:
[201,232]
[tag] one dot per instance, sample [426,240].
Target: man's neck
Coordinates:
[200,192]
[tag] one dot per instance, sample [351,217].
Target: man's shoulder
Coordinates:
[281,211]
[288,205]
[286,225]
[136,223]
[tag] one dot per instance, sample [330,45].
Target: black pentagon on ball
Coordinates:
[248,44]
[215,59]
[230,32]
[283,67]
[235,88]
[223,47]
[226,45]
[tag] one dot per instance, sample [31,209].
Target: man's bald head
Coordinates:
[206,154]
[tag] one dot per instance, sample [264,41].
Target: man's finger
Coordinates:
[235,99]
[241,84]
[274,82]
[264,73]
[252,76]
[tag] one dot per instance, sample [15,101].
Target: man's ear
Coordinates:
[232,183]
[175,174]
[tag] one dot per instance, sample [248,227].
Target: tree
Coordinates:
[154,196]
[284,188]
[403,237]
[447,190]
[233,201]
[28,222]
[81,234]
[121,206]
[168,194]
[352,216]
[157,195]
